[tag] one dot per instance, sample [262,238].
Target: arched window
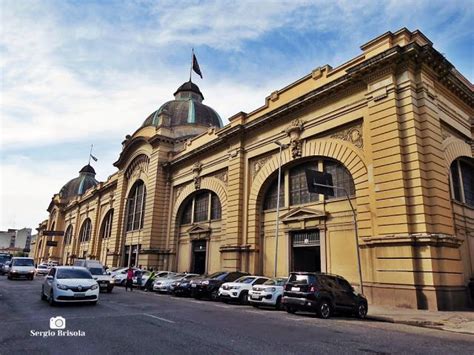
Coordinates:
[270,201]
[298,193]
[341,177]
[203,206]
[462,180]
[68,235]
[106,228]
[85,232]
[136,206]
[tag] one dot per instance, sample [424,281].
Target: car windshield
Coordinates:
[216,275]
[23,262]
[97,271]
[42,267]
[275,282]
[190,276]
[73,274]
[302,279]
[4,259]
[245,279]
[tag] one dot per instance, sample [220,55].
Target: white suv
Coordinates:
[239,289]
[268,294]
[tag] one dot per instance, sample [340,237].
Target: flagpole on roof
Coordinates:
[90,155]
[192,61]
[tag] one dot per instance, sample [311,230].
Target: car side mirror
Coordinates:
[49,277]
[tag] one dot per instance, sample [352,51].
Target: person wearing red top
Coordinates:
[129,283]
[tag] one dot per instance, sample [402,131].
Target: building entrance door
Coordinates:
[199,257]
[306,251]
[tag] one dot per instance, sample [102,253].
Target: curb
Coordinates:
[417,323]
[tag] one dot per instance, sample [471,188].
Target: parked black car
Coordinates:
[209,286]
[322,293]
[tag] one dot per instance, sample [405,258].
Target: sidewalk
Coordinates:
[459,322]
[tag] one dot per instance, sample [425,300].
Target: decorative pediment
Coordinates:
[301,214]
[199,232]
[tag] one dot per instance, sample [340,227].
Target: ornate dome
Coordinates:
[186,109]
[79,185]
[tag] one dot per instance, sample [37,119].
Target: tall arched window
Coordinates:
[68,235]
[85,232]
[136,206]
[298,193]
[462,180]
[106,228]
[203,206]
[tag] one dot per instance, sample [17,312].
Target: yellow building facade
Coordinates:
[394,128]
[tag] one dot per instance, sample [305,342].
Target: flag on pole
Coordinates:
[196,68]
[93,157]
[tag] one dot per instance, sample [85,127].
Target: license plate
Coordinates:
[295,289]
[193,285]
[254,297]
[80,294]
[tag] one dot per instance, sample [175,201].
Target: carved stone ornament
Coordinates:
[352,134]
[259,164]
[221,175]
[294,132]
[138,166]
[197,167]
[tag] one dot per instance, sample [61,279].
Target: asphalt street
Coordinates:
[139,322]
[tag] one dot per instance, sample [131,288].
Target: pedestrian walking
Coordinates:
[129,283]
[139,278]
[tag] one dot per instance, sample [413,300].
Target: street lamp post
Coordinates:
[354,216]
[282,146]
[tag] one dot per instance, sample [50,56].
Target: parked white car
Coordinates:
[239,289]
[120,275]
[69,284]
[21,267]
[165,284]
[145,275]
[268,294]
[42,269]
[105,281]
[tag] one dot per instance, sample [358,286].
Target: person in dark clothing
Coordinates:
[129,283]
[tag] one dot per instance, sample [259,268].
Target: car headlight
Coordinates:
[31,272]
[94,287]
[112,281]
[271,289]
[205,282]
[62,287]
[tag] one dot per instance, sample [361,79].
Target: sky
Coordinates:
[76,73]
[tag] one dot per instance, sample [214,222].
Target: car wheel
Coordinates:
[361,311]
[123,283]
[244,298]
[214,295]
[290,309]
[9,277]
[225,300]
[51,299]
[254,305]
[323,310]
[109,290]
[278,304]
[43,296]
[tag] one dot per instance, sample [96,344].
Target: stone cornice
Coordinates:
[423,239]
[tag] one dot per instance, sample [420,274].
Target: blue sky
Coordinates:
[76,73]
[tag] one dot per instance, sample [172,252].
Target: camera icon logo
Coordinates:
[57,323]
